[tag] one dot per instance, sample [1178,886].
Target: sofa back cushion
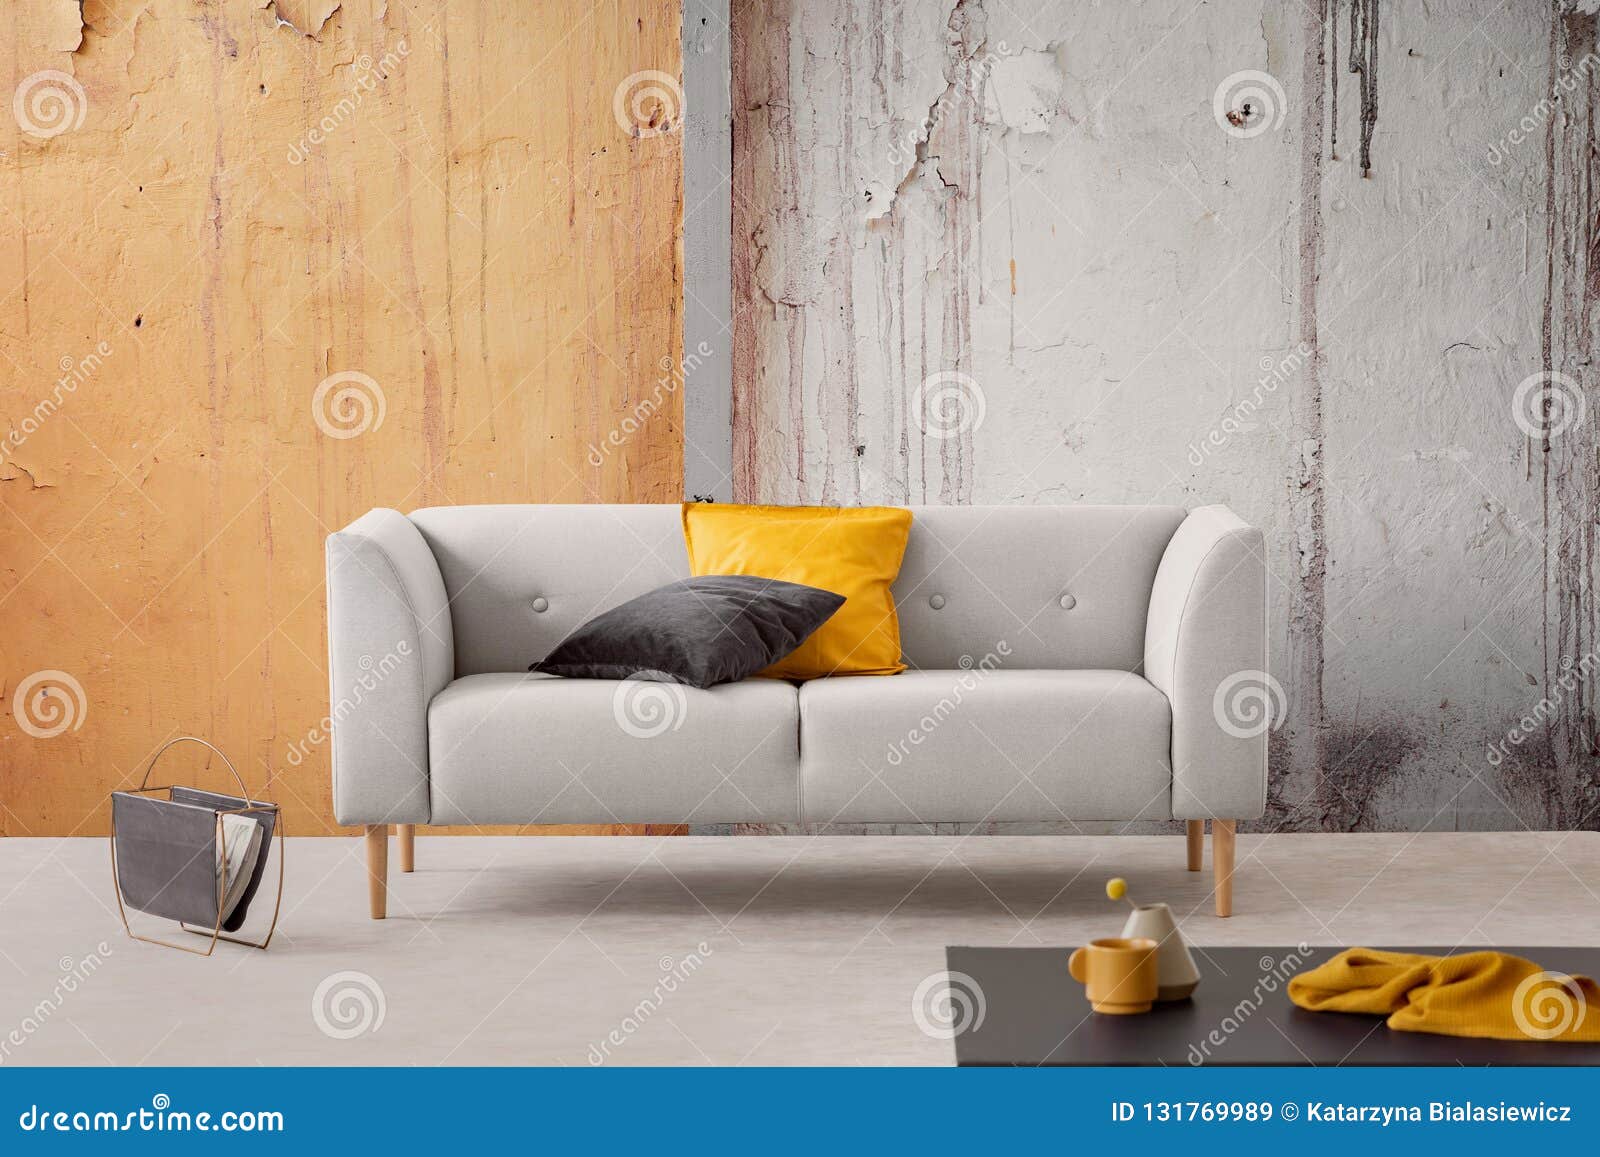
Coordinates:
[1046,587]
[1038,587]
[522,578]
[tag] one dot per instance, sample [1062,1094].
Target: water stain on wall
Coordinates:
[1364,65]
[1561,785]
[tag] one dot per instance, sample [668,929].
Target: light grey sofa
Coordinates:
[1065,663]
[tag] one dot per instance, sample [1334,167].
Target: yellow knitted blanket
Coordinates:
[1480,994]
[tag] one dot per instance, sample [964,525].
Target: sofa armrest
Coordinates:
[1205,648]
[390,651]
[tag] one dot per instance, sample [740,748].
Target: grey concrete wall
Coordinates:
[1327,264]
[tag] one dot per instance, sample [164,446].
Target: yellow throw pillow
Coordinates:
[854,551]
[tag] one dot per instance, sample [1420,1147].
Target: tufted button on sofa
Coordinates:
[1066,663]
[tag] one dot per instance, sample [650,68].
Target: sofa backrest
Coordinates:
[1047,587]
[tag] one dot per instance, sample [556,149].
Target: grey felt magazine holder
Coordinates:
[165,842]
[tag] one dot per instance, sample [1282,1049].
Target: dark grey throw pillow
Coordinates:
[700,631]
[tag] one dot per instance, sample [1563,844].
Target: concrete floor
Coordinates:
[535,950]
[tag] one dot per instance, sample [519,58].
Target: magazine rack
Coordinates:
[165,847]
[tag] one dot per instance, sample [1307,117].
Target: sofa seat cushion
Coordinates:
[536,749]
[974,745]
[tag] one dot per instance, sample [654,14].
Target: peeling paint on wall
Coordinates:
[305,17]
[261,194]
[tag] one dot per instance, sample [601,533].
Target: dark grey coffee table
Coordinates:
[1035,1014]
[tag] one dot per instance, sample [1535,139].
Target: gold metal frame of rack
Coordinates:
[216,932]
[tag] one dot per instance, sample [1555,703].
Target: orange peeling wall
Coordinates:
[208,208]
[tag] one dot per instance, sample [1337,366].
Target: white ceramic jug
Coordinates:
[1176,975]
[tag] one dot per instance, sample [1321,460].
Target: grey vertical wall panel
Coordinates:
[707,236]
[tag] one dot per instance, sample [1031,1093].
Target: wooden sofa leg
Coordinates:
[1222,832]
[378,870]
[1197,843]
[408,846]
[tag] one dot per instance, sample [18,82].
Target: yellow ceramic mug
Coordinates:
[1118,975]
